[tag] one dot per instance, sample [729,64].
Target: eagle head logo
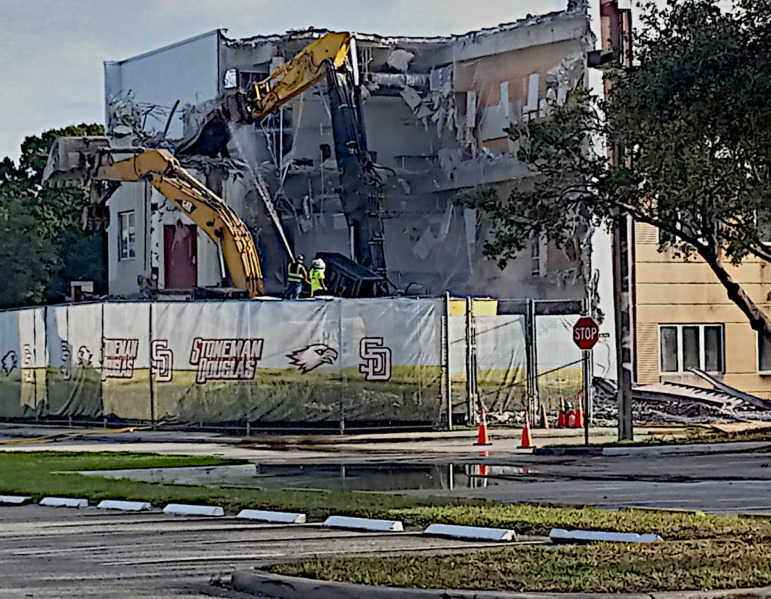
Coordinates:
[84,356]
[10,362]
[312,356]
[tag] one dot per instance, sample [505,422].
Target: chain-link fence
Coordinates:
[509,356]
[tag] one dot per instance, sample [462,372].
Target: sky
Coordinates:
[51,51]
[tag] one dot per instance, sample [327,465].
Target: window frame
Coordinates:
[763,226]
[702,327]
[131,240]
[761,372]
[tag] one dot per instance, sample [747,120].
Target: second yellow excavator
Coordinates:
[92,159]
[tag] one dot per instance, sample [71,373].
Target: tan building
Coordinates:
[685,320]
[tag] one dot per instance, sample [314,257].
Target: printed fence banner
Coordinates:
[501,362]
[559,360]
[22,361]
[124,354]
[304,361]
[73,337]
[262,361]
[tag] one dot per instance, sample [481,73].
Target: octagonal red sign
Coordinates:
[586,332]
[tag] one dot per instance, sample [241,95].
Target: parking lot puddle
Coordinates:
[342,477]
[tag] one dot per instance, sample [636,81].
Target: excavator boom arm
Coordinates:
[91,158]
[302,72]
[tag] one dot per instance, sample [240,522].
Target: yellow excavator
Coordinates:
[93,159]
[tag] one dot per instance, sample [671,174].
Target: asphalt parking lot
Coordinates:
[90,553]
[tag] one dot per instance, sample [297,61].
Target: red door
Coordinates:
[180,250]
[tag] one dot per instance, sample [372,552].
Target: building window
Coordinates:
[536,256]
[764,354]
[127,235]
[685,346]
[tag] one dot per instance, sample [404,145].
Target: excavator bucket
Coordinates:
[75,159]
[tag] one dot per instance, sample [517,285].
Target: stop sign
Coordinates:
[586,332]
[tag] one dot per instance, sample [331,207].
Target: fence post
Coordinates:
[472,394]
[531,357]
[445,358]
[150,355]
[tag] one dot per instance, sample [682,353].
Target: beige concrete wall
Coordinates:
[670,291]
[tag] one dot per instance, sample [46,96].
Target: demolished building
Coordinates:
[434,113]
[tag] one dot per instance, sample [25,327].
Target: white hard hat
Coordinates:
[318,263]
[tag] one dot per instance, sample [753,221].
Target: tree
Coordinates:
[23,255]
[42,246]
[691,117]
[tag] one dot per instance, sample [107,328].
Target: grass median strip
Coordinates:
[605,567]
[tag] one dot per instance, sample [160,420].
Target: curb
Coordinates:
[14,500]
[364,524]
[638,450]
[276,586]
[472,533]
[125,506]
[560,535]
[63,502]
[279,517]
[264,584]
[178,509]
[558,451]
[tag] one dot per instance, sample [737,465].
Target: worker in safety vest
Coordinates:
[296,275]
[317,276]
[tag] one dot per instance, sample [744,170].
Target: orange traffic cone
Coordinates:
[561,420]
[484,435]
[526,441]
[579,418]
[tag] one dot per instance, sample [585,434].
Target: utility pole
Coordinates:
[616,34]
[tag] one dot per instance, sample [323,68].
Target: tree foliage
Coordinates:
[692,120]
[42,246]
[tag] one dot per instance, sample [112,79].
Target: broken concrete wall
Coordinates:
[434,112]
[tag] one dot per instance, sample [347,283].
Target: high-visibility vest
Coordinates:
[317,279]
[295,272]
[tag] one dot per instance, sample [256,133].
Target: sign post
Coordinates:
[586,333]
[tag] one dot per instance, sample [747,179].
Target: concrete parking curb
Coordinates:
[560,535]
[178,509]
[264,584]
[125,506]
[364,524]
[14,499]
[290,587]
[641,450]
[64,502]
[277,517]
[474,533]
